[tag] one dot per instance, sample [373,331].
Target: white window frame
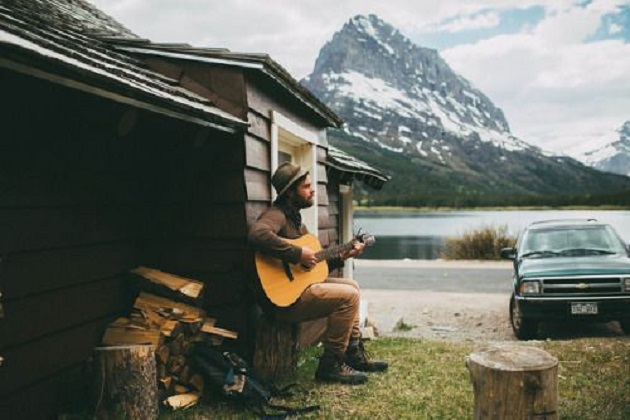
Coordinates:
[301,143]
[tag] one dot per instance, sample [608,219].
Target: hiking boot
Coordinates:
[358,358]
[332,368]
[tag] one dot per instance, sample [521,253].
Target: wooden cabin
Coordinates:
[116,153]
[286,122]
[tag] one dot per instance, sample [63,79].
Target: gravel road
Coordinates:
[431,310]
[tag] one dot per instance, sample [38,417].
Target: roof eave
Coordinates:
[257,62]
[41,66]
[307,96]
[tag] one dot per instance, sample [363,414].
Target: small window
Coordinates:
[284,157]
[291,142]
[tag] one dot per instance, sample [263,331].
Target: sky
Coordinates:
[559,69]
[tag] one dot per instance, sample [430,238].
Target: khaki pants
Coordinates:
[338,300]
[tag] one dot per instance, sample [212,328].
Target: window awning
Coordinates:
[355,169]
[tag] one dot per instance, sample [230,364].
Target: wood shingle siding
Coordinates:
[258,185]
[257,153]
[259,125]
[222,86]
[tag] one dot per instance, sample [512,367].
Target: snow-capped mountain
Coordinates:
[408,112]
[401,96]
[614,156]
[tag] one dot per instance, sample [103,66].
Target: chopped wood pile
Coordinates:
[167,314]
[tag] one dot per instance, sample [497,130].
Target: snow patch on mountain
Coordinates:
[403,97]
[374,97]
[613,156]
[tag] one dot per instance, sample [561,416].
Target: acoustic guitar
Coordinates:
[283,283]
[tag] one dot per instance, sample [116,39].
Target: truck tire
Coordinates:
[524,329]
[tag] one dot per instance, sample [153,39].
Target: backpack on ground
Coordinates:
[231,376]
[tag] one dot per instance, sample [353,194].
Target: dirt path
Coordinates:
[440,316]
[478,317]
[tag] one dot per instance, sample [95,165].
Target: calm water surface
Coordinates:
[421,235]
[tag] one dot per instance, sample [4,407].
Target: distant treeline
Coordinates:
[440,199]
[521,181]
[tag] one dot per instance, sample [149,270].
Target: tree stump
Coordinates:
[515,382]
[276,352]
[125,382]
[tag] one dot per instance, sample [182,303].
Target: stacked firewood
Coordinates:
[167,314]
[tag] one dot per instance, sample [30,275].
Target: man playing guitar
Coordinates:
[344,359]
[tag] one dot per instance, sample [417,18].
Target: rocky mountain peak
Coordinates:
[613,157]
[624,132]
[442,139]
[401,96]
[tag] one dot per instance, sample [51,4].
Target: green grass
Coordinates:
[429,380]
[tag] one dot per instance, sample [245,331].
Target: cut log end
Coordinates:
[517,382]
[514,358]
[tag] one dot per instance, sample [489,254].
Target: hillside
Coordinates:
[443,141]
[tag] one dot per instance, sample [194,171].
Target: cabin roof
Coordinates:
[62,41]
[361,171]
[255,61]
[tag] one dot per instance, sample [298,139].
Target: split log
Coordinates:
[171,325]
[169,285]
[276,352]
[116,336]
[125,382]
[516,382]
[162,308]
[222,332]
[182,400]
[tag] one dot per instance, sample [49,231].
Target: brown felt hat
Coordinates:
[285,176]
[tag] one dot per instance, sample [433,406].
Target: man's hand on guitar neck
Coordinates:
[355,251]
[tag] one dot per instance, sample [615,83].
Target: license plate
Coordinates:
[584,308]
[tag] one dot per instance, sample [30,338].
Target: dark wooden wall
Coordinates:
[251,95]
[223,85]
[90,188]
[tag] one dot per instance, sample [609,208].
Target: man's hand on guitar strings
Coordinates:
[308,259]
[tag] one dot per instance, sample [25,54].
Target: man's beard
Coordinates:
[303,203]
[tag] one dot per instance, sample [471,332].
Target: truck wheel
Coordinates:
[625,325]
[524,329]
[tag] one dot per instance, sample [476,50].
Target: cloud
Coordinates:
[555,84]
[468,23]
[614,29]
[555,89]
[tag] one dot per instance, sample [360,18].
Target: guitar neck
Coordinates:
[333,251]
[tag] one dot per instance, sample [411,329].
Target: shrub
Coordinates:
[479,244]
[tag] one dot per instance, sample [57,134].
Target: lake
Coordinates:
[401,235]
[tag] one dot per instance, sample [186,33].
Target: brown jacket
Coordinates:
[267,233]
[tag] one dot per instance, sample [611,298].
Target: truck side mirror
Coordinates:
[508,253]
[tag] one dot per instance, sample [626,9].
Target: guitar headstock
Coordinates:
[366,238]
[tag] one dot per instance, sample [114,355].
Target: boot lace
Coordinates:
[346,368]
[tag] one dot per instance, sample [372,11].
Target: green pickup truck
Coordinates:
[574,270]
